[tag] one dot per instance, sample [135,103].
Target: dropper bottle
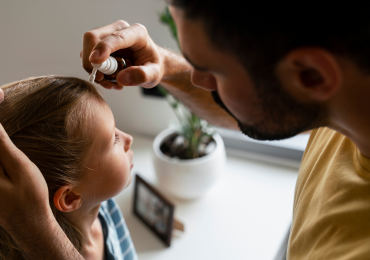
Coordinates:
[110,68]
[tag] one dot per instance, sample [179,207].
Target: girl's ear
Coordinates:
[66,199]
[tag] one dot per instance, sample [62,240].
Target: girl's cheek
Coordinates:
[121,163]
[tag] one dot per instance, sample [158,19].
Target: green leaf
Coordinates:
[162,90]
[166,18]
[192,127]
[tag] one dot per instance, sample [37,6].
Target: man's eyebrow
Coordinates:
[192,64]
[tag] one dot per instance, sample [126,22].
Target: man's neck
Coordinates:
[349,113]
[349,109]
[359,136]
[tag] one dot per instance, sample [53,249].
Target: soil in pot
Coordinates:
[176,146]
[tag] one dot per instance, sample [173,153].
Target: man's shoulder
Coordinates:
[331,203]
[322,137]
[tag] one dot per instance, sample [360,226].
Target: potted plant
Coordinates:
[189,158]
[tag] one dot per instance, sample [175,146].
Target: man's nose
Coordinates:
[204,80]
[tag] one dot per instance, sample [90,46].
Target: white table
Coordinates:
[244,216]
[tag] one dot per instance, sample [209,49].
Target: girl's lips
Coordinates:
[132,156]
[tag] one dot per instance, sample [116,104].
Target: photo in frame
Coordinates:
[154,210]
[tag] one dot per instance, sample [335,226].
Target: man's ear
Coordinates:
[66,199]
[310,73]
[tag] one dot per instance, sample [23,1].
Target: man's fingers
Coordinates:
[6,185]
[106,30]
[109,85]
[1,95]
[106,84]
[91,38]
[3,174]
[134,37]
[145,76]
[100,43]
[117,87]
[11,158]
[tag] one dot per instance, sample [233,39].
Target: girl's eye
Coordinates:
[116,138]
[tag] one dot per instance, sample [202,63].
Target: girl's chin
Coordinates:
[128,181]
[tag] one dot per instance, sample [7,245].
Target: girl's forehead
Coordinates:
[101,128]
[102,121]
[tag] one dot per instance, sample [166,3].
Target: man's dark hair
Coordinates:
[261,33]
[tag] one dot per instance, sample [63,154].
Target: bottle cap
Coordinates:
[108,67]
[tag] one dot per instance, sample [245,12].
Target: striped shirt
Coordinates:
[118,242]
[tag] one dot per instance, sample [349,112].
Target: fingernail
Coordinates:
[95,54]
[125,78]
[118,87]
[106,85]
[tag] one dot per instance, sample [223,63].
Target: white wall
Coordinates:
[41,37]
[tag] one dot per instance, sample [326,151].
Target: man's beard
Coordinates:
[283,117]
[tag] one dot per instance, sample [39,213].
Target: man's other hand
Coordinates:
[23,190]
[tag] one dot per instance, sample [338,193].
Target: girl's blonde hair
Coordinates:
[47,118]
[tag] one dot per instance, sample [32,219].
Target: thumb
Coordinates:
[147,76]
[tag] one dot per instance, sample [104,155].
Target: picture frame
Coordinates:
[154,210]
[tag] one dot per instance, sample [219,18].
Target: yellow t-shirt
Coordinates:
[331,215]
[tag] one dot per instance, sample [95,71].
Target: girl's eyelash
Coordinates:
[116,138]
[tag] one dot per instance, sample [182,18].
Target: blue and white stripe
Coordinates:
[118,242]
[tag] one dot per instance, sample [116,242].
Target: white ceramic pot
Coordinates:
[188,179]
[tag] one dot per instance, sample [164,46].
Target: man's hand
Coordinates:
[1,95]
[23,190]
[131,42]
[24,206]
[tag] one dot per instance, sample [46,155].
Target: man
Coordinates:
[275,72]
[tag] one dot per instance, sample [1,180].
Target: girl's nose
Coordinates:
[128,142]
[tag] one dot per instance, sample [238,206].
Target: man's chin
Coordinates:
[271,133]
[257,134]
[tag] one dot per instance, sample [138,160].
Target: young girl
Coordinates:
[64,126]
